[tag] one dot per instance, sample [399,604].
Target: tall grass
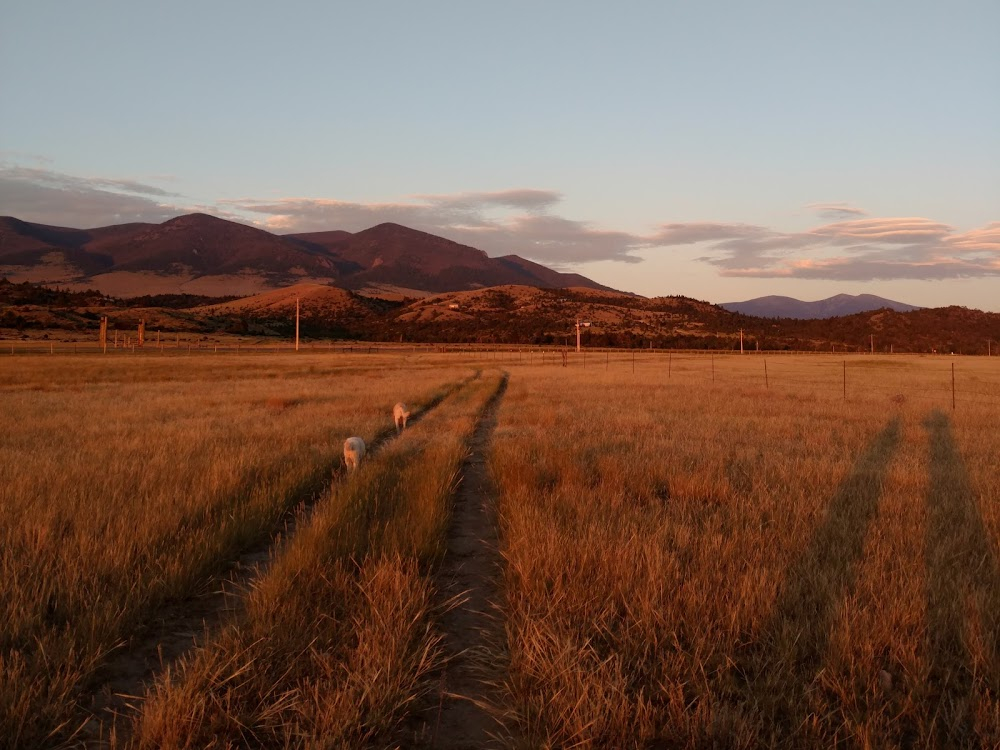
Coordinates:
[126,482]
[690,565]
[694,556]
[337,640]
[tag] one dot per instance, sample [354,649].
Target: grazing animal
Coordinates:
[354,451]
[400,415]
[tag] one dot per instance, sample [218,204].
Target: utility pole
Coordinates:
[580,325]
[741,341]
[296,324]
[873,342]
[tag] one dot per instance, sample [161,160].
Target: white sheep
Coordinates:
[399,416]
[354,451]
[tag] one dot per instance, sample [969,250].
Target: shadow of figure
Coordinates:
[959,558]
[783,671]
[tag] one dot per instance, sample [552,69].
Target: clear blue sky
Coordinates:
[718,150]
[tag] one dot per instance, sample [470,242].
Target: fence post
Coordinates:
[953,386]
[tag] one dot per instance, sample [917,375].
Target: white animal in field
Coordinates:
[354,451]
[400,415]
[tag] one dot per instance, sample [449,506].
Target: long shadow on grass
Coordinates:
[177,626]
[959,558]
[797,636]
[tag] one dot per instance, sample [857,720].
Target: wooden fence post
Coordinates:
[953,386]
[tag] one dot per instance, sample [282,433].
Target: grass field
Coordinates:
[129,481]
[698,551]
[699,564]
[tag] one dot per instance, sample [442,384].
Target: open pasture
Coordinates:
[127,482]
[696,552]
[693,563]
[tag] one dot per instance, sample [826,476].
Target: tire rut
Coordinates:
[119,684]
[463,714]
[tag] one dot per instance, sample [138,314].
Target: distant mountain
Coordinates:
[832,307]
[204,255]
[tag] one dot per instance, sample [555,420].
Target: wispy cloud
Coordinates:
[505,222]
[527,222]
[896,231]
[51,197]
[857,250]
[836,211]
[59,181]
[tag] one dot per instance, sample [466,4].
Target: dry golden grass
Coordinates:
[127,481]
[699,565]
[694,556]
[338,638]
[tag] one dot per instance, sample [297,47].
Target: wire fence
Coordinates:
[945,379]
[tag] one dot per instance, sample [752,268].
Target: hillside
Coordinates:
[508,314]
[324,311]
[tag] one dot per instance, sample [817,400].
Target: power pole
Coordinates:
[580,325]
[296,324]
[741,341]
[872,336]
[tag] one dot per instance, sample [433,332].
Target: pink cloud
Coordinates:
[894,230]
[857,250]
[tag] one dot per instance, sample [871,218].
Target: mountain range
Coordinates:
[198,273]
[206,255]
[788,307]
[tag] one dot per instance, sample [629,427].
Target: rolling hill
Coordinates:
[508,314]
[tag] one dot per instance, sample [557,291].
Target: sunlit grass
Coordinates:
[125,486]
[338,638]
[699,551]
[733,564]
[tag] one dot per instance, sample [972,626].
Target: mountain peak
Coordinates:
[195,219]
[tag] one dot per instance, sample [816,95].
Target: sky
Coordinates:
[718,150]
